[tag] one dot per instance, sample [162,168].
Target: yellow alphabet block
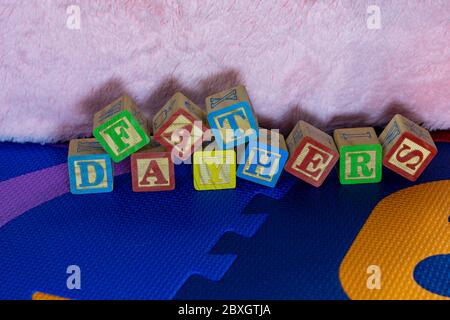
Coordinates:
[215,170]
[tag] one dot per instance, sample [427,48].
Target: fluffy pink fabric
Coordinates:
[316,61]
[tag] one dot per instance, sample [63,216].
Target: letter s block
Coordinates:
[121,128]
[313,154]
[231,116]
[407,147]
[360,155]
[90,168]
[152,169]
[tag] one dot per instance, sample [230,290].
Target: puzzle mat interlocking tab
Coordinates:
[128,245]
[159,245]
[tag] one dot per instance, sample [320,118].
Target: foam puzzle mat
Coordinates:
[290,242]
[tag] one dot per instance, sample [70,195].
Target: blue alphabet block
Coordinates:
[231,116]
[90,168]
[264,159]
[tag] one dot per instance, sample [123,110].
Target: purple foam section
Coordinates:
[20,194]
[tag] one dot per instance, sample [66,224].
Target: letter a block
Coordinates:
[360,155]
[90,167]
[152,169]
[264,159]
[215,170]
[179,126]
[407,147]
[121,128]
[313,154]
[231,116]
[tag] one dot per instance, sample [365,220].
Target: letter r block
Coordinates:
[214,170]
[264,159]
[360,155]
[407,147]
[121,128]
[231,116]
[313,154]
[90,168]
[152,169]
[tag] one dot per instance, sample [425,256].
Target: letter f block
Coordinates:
[407,147]
[231,116]
[313,154]
[90,168]
[121,128]
[360,155]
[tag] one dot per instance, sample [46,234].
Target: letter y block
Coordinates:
[90,168]
[360,155]
[407,147]
[121,128]
[313,154]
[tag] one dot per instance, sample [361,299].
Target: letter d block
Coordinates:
[231,116]
[214,170]
[90,168]
[313,154]
[264,159]
[360,155]
[407,147]
[152,169]
[121,128]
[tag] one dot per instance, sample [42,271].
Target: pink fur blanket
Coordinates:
[332,63]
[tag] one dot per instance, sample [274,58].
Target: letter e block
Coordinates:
[264,159]
[231,116]
[313,154]
[121,128]
[179,126]
[214,170]
[407,147]
[360,155]
[152,169]
[90,167]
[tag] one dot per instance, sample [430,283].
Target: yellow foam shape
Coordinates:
[403,229]
[45,296]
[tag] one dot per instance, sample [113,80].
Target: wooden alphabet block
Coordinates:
[264,158]
[214,170]
[407,147]
[179,126]
[152,169]
[121,128]
[231,117]
[360,155]
[90,167]
[313,154]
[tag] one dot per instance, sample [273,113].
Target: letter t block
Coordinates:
[231,116]
[313,154]
[407,147]
[121,128]
[90,168]
[360,155]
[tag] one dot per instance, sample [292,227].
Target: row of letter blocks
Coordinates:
[179,128]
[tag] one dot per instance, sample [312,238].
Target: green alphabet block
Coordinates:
[360,155]
[121,129]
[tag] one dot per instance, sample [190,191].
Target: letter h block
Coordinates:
[360,155]
[231,117]
[313,154]
[264,158]
[214,170]
[121,128]
[152,169]
[407,147]
[90,167]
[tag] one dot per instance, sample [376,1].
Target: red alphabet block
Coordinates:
[152,169]
[407,147]
[312,152]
